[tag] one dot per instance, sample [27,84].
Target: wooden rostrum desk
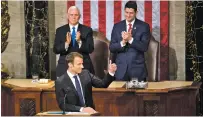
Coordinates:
[20,97]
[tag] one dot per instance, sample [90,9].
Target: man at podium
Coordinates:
[74,88]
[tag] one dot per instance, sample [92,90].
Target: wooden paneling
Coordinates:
[108,102]
[27,107]
[7,102]
[26,101]
[181,103]
[49,102]
[115,104]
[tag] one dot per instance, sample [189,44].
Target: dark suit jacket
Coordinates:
[86,48]
[130,59]
[64,85]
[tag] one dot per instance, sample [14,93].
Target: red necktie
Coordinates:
[130,27]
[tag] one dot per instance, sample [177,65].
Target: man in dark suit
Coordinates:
[77,84]
[73,37]
[129,41]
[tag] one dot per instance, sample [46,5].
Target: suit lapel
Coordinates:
[69,83]
[134,27]
[67,28]
[124,25]
[79,27]
[80,30]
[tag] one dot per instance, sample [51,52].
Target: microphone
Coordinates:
[64,101]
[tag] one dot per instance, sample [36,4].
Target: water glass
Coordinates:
[134,79]
[35,78]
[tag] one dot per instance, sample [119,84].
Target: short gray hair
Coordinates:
[73,7]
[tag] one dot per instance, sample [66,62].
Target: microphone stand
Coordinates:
[64,104]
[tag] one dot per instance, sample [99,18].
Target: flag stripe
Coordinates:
[69,4]
[94,15]
[156,20]
[102,16]
[140,10]
[122,9]
[148,13]
[86,13]
[164,41]
[79,4]
[109,18]
[117,11]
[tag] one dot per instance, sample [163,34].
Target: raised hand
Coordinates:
[68,38]
[78,36]
[112,67]
[126,36]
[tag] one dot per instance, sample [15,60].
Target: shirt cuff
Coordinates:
[66,46]
[112,74]
[122,45]
[130,41]
[79,43]
[81,109]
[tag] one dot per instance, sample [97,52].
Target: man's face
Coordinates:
[130,14]
[73,16]
[77,65]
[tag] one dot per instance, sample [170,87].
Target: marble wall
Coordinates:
[37,38]
[51,25]
[14,55]
[194,47]
[194,40]
[177,40]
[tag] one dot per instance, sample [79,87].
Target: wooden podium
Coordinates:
[59,113]
[20,97]
[167,98]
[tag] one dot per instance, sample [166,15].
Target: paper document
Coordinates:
[55,112]
[61,112]
[78,113]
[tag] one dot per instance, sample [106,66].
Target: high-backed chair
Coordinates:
[152,57]
[100,55]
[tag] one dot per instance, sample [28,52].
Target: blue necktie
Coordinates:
[78,88]
[73,36]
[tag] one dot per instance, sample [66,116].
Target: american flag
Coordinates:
[102,15]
